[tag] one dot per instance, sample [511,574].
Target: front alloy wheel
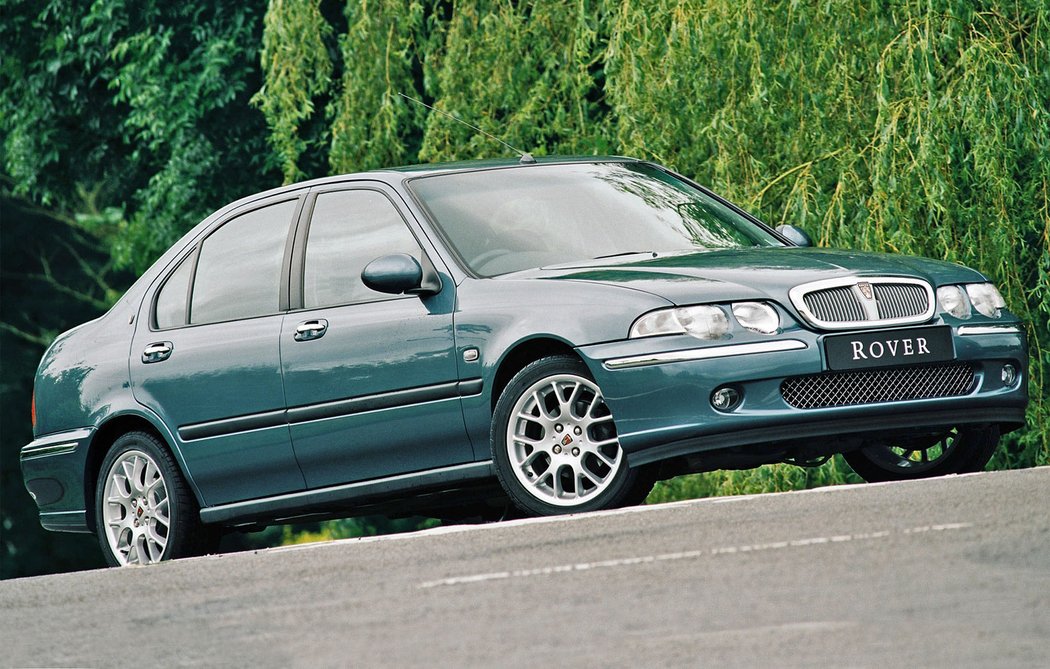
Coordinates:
[555,444]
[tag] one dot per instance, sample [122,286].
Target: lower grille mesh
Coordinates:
[872,386]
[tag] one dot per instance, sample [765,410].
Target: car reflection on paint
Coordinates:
[470,338]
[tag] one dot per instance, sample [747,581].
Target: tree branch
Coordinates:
[41,339]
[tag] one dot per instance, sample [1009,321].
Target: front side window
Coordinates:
[348,230]
[239,268]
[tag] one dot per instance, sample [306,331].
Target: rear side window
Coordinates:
[348,230]
[239,268]
[171,300]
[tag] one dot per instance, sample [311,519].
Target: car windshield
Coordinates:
[505,220]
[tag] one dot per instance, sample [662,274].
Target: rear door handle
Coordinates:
[313,329]
[157,352]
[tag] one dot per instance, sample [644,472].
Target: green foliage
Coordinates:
[529,73]
[130,119]
[768,478]
[371,126]
[298,69]
[329,530]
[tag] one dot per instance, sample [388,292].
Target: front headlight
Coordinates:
[986,299]
[953,301]
[702,321]
[757,317]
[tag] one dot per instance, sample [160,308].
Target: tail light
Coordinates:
[32,409]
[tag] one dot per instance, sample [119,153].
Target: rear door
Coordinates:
[372,386]
[206,356]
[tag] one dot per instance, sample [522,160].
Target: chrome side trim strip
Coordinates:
[65,521]
[988,329]
[56,443]
[704,353]
[29,452]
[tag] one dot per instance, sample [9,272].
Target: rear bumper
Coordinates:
[53,469]
[662,398]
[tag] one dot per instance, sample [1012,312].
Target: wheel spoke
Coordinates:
[541,406]
[154,551]
[531,457]
[538,481]
[556,482]
[160,511]
[129,473]
[140,474]
[521,439]
[567,404]
[153,478]
[154,538]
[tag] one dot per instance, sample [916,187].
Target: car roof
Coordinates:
[397,174]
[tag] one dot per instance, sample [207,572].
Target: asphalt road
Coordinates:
[952,572]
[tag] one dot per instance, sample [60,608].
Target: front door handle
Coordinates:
[157,352]
[313,329]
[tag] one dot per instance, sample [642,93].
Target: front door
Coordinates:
[370,378]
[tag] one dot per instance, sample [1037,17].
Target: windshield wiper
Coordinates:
[624,253]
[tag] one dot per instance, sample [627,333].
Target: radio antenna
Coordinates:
[526,158]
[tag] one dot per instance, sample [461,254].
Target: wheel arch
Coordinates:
[105,435]
[522,354]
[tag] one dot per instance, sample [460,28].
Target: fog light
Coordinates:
[726,398]
[1009,375]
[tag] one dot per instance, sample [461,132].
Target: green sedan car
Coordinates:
[484,338]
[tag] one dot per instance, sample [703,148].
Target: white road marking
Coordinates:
[688,555]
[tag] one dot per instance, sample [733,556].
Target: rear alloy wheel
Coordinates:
[145,512]
[554,441]
[956,451]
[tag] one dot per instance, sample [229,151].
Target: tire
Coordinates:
[554,442]
[144,510]
[957,451]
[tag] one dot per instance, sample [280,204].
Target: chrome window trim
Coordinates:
[797,294]
[704,353]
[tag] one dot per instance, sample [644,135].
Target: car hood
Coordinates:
[741,274]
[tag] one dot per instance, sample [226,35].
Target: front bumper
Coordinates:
[53,469]
[659,391]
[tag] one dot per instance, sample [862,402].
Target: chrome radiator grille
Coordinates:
[835,305]
[863,302]
[900,300]
[874,386]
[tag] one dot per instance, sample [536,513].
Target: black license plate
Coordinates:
[888,348]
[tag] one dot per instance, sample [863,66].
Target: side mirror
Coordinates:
[400,273]
[796,236]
